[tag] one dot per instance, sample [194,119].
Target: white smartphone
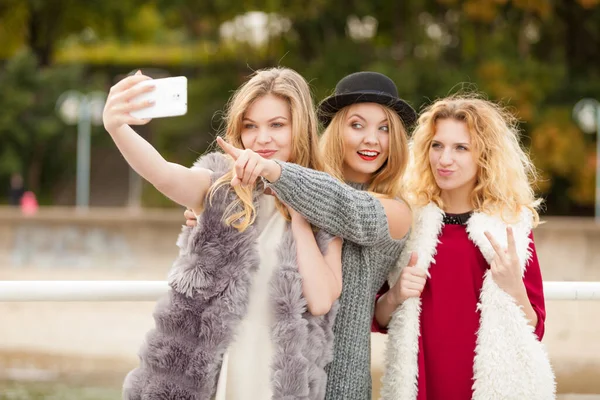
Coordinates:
[169,96]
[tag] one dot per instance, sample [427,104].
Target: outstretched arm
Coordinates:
[183,185]
[339,209]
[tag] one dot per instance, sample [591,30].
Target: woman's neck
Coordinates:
[456,201]
[351,175]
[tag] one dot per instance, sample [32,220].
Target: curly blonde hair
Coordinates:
[290,86]
[506,174]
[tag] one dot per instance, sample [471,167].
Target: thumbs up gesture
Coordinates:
[411,283]
[249,165]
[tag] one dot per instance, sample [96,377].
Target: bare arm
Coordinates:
[384,309]
[522,300]
[321,274]
[185,186]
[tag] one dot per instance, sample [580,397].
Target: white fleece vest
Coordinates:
[510,362]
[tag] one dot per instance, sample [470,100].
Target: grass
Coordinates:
[55,391]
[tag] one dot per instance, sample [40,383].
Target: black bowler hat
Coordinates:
[366,87]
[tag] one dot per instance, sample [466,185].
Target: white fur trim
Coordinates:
[480,223]
[510,363]
[399,379]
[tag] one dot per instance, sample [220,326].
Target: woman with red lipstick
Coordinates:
[465,316]
[365,155]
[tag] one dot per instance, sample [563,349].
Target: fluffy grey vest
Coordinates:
[195,323]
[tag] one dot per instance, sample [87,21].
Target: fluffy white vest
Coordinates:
[510,363]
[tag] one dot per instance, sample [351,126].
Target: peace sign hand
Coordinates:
[505,267]
[249,165]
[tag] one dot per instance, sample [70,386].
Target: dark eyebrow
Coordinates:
[358,116]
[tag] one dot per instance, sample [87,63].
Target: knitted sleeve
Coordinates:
[331,205]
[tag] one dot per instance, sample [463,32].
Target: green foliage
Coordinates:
[33,139]
[538,57]
[55,391]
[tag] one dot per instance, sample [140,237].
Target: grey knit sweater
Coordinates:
[368,254]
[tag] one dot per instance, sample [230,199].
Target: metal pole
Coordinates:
[597,163]
[134,198]
[84,127]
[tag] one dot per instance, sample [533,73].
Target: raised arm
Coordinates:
[183,185]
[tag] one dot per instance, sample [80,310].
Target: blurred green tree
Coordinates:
[33,139]
[537,56]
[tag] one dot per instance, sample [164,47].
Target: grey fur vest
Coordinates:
[196,321]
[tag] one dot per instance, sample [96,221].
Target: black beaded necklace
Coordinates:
[457,219]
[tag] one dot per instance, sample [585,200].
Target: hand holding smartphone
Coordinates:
[169,98]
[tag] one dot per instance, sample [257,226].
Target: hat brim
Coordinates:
[331,105]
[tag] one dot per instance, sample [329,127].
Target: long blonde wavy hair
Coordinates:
[387,181]
[505,176]
[290,86]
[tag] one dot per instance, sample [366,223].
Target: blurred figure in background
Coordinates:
[29,204]
[16,190]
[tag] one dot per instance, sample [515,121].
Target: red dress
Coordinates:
[449,316]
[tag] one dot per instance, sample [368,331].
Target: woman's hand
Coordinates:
[505,267]
[249,165]
[190,218]
[119,105]
[410,284]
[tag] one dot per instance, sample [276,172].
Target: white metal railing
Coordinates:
[82,290]
[152,290]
